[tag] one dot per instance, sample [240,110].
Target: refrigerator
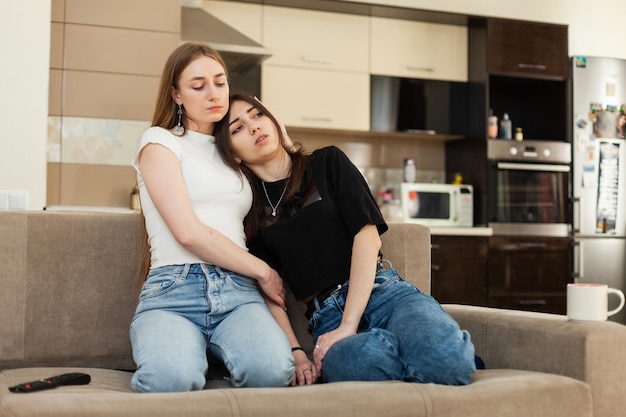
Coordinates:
[599,173]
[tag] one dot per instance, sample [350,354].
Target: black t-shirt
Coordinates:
[310,240]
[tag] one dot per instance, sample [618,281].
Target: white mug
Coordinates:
[589,302]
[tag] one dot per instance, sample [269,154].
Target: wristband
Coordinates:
[293,349]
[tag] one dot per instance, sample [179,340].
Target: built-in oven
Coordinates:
[530,252]
[528,190]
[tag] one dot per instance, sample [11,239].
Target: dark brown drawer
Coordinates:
[542,303]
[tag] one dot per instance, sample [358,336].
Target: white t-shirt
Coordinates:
[220,197]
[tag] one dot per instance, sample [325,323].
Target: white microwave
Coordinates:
[438,205]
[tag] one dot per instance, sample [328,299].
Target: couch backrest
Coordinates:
[69,283]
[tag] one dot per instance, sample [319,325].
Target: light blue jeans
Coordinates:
[404,335]
[193,314]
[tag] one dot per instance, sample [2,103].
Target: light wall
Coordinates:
[24,47]
[26,76]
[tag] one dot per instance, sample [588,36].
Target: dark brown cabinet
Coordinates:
[459,269]
[529,273]
[527,48]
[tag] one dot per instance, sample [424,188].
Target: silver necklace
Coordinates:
[274,207]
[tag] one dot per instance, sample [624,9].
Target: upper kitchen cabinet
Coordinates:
[415,49]
[317,76]
[315,98]
[519,68]
[527,48]
[315,39]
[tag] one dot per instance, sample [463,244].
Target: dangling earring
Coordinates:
[179,129]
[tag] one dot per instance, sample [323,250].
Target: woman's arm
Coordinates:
[162,176]
[306,372]
[365,250]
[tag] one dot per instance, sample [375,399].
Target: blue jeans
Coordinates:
[188,314]
[404,335]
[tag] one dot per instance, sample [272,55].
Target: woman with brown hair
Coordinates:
[314,219]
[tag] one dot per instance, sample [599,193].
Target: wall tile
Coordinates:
[96,185]
[56,45]
[55,92]
[57,10]
[109,96]
[53,146]
[100,141]
[158,15]
[106,49]
[53,187]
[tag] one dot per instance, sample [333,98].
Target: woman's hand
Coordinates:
[306,371]
[272,286]
[326,341]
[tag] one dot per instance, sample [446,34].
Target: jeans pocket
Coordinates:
[159,283]
[242,283]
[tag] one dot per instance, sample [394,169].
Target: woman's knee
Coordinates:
[166,376]
[274,373]
[367,356]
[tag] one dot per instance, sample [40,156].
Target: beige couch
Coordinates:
[68,289]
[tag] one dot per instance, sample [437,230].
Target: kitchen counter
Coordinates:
[458,231]
[461,231]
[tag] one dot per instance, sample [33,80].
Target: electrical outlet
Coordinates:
[13,200]
[18,200]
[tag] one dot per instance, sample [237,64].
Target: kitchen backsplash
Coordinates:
[82,140]
[89,162]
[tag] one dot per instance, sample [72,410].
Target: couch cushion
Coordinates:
[70,285]
[496,393]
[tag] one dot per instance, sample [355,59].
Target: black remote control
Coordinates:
[52,382]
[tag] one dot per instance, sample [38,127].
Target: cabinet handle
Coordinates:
[539,67]
[316,119]
[578,262]
[434,267]
[434,246]
[577,217]
[532,245]
[532,302]
[317,60]
[420,69]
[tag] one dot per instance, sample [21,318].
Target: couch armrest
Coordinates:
[593,352]
[407,246]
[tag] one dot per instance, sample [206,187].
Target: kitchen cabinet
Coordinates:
[316,98]
[520,68]
[315,39]
[317,76]
[527,48]
[459,269]
[536,99]
[529,273]
[413,49]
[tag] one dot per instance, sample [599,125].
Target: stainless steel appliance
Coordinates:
[529,188]
[599,172]
[530,252]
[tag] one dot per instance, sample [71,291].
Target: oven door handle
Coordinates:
[533,167]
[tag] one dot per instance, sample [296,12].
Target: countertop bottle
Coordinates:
[505,127]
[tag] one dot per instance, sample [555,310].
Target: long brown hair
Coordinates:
[299,163]
[165,112]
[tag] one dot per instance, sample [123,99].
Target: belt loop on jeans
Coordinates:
[380,264]
[317,301]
